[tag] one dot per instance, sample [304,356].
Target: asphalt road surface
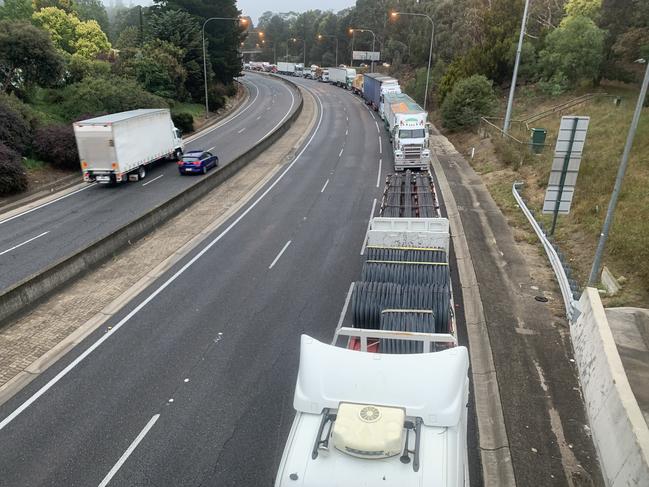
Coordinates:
[36,239]
[193,383]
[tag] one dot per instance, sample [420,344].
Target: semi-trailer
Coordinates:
[357,84]
[375,86]
[286,68]
[342,77]
[120,147]
[386,402]
[407,124]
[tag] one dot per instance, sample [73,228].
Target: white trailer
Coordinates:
[286,68]
[119,147]
[407,123]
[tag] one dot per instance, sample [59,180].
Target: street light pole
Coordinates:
[430,50]
[303,49]
[373,43]
[512,89]
[236,19]
[594,272]
[351,62]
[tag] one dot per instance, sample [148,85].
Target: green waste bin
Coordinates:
[537,140]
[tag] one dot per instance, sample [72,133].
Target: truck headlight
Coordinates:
[425,154]
[398,154]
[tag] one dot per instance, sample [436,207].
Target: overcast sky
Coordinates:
[255,8]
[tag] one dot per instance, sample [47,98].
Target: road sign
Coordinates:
[565,166]
[366,55]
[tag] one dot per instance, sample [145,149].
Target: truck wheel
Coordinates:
[178,154]
[141,173]
[204,169]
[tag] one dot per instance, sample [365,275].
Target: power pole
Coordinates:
[512,89]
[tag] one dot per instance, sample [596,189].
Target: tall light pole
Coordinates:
[236,19]
[303,49]
[321,36]
[351,63]
[373,41]
[512,89]
[274,49]
[594,272]
[430,50]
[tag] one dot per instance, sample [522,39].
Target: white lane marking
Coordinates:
[227,120]
[47,204]
[343,312]
[378,176]
[149,182]
[325,186]
[371,113]
[267,108]
[380,146]
[24,243]
[128,451]
[341,151]
[377,126]
[279,255]
[162,287]
[346,119]
[284,117]
[368,227]
[244,128]
[346,131]
[258,117]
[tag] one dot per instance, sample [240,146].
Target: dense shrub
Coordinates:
[183,121]
[13,177]
[56,144]
[103,95]
[470,99]
[80,68]
[15,132]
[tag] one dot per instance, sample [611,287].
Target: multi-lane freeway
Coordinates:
[34,239]
[192,382]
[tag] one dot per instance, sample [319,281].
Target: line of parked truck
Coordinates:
[405,121]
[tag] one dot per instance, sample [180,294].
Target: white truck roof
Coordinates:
[433,389]
[121,116]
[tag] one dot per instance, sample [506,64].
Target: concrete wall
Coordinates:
[619,430]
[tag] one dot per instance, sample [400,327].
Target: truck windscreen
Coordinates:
[412,134]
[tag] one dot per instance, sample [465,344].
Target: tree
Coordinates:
[574,50]
[584,8]
[470,99]
[16,10]
[65,5]
[223,36]
[70,34]
[90,40]
[15,132]
[27,56]
[56,144]
[92,10]
[182,30]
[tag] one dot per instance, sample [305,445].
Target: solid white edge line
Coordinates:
[161,288]
[149,182]
[90,185]
[377,126]
[378,176]
[341,151]
[128,451]
[380,146]
[343,312]
[24,243]
[279,255]
[368,228]
[209,130]
[284,117]
[325,186]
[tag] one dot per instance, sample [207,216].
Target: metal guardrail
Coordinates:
[567,288]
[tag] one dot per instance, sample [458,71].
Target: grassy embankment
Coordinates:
[627,252]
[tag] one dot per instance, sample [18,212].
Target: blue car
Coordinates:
[197,161]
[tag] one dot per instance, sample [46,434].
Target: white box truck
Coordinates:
[119,147]
[406,122]
[342,77]
[286,68]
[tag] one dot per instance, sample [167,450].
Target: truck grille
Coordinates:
[412,152]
